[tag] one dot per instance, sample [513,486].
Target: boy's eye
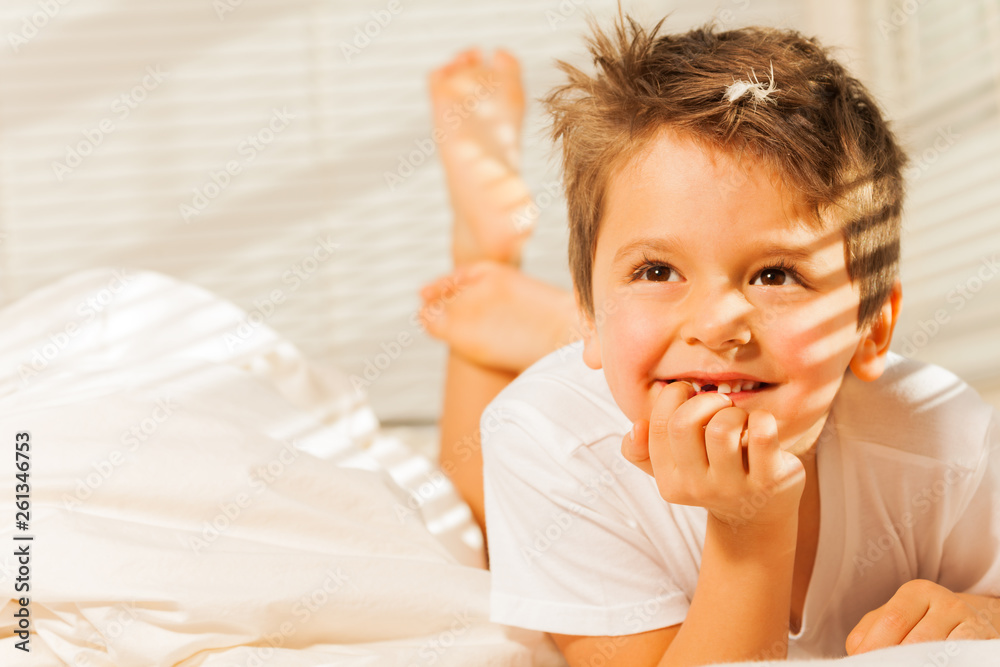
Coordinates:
[657,273]
[774,276]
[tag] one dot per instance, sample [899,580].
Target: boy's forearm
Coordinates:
[741,605]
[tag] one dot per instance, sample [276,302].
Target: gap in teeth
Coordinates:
[726,387]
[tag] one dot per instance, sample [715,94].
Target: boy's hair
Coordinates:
[812,124]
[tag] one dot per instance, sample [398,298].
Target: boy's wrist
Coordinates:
[751,541]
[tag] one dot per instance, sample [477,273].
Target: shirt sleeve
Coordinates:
[566,555]
[971,557]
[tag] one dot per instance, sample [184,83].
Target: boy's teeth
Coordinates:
[728,387]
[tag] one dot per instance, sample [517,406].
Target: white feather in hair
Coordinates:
[738,88]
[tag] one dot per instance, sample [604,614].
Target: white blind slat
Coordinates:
[949,54]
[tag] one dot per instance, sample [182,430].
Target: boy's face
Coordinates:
[705,271]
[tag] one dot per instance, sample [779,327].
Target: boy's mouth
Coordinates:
[732,386]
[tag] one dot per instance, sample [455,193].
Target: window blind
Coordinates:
[939,70]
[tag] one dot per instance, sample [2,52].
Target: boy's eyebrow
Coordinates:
[667,243]
[664,243]
[801,253]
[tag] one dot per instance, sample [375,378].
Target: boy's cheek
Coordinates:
[821,331]
[813,367]
[632,344]
[813,373]
[811,343]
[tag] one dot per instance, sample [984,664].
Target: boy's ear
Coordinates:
[868,361]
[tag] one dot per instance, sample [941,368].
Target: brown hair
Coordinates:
[819,129]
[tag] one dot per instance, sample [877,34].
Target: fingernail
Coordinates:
[631,434]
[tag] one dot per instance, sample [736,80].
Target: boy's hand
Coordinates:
[920,611]
[692,446]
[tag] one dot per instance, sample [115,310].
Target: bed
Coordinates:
[202,494]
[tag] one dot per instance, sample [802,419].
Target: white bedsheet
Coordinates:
[176,519]
[203,496]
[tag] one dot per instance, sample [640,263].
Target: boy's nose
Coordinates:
[717,319]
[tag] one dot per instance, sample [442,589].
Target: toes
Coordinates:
[446,288]
[457,78]
[437,289]
[473,57]
[429,292]
[433,318]
[507,70]
[506,64]
[441,74]
[468,59]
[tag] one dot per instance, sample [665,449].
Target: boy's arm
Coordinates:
[692,447]
[644,648]
[739,611]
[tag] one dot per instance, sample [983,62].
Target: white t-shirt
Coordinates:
[581,542]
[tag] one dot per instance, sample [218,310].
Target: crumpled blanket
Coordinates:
[179,512]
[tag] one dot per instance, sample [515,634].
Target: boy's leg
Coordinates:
[478,109]
[497,322]
[468,389]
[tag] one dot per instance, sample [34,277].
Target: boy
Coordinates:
[734,203]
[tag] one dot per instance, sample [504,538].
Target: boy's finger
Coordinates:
[857,635]
[722,443]
[932,628]
[890,628]
[973,629]
[764,449]
[889,624]
[664,405]
[685,427]
[635,447]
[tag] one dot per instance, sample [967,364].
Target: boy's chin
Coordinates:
[805,445]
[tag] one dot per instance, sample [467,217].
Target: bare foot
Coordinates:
[478,109]
[498,317]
